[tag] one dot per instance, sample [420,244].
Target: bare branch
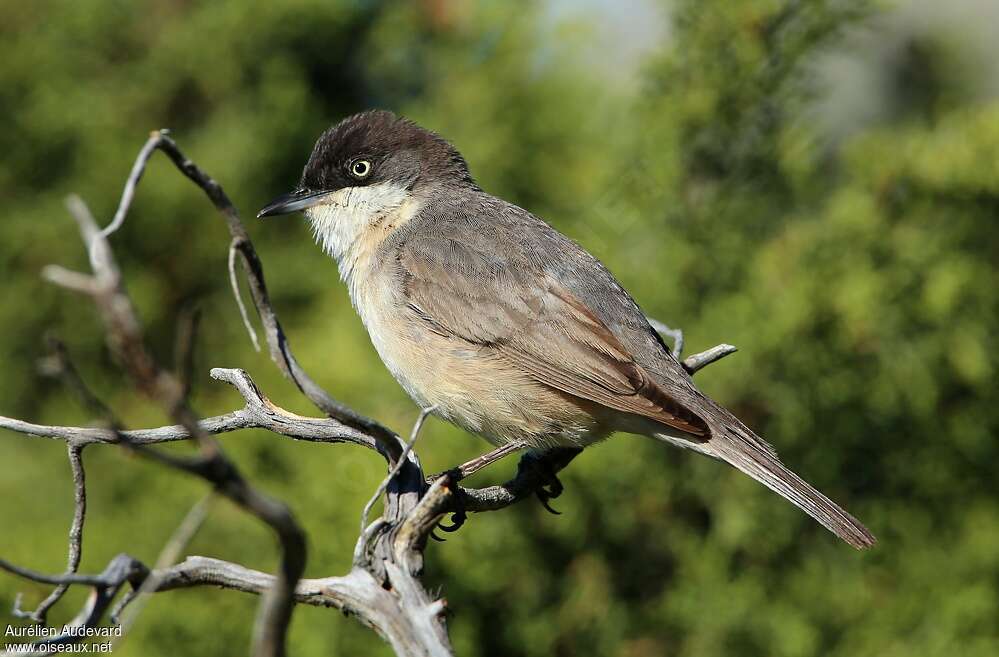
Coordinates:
[369,531]
[59,365]
[125,338]
[56,580]
[75,538]
[131,183]
[696,362]
[234,284]
[424,413]
[122,570]
[69,279]
[280,350]
[414,530]
[259,413]
[676,335]
[407,628]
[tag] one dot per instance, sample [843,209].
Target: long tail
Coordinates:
[744,450]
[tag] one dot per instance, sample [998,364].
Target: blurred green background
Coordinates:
[816,182]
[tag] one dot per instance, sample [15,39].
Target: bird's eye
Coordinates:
[360,169]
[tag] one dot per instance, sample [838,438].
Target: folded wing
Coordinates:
[535,323]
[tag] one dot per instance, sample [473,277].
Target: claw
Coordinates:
[437,538]
[458,515]
[458,519]
[551,488]
[544,496]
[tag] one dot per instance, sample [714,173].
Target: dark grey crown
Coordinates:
[398,150]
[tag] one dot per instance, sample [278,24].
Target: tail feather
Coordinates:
[764,466]
[741,448]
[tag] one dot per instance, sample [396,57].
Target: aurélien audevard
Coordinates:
[65,630]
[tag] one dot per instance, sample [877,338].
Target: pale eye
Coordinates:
[360,169]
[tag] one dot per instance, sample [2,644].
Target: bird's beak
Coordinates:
[300,199]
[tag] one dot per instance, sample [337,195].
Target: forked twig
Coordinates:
[40,613]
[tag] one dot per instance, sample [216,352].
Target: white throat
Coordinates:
[354,220]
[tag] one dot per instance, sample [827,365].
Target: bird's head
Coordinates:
[368,175]
[368,155]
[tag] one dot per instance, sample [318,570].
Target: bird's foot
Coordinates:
[545,466]
[458,513]
[537,471]
[549,492]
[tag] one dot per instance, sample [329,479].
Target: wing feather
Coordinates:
[534,323]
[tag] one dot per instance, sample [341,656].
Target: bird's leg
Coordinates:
[537,469]
[468,468]
[545,465]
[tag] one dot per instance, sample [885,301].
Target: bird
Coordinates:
[501,324]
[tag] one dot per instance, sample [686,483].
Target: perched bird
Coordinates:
[506,327]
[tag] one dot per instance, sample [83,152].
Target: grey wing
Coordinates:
[515,307]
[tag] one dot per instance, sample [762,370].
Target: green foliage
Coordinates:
[857,278]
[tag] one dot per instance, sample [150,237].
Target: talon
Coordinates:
[554,487]
[437,538]
[458,519]
[544,496]
[458,515]
[551,487]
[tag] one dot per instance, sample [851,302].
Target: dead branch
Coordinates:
[258,413]
[676,335]
[75,538]
[125,338]
[121,571]
[694,363]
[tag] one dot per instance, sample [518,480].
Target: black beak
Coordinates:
[299,199]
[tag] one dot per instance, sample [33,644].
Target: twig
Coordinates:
[75,537]
[122,570]
[698,361]
[131,183]
[234,284]
[59,365]
[389,444]
[258,413]
[126,341]
[424,413]
[69,279]
[55,580]
[674,334]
